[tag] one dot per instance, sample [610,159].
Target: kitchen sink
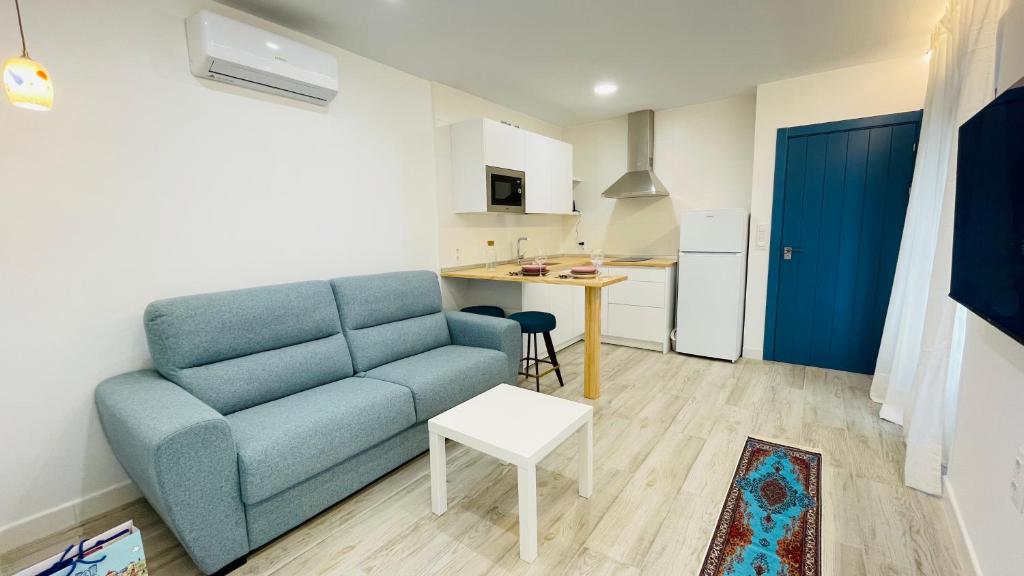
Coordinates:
[630,260]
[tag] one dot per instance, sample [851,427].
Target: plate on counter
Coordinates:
[583,271]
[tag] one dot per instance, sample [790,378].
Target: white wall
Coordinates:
[989,431]
[1011,46]
[144,182]
[990,411]
[855,92]
[702,153]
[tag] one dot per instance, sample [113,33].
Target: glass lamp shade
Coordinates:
[28,84]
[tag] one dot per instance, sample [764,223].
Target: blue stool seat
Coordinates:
[495,311]
[534,322]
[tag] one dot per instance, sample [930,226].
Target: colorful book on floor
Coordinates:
[116,552]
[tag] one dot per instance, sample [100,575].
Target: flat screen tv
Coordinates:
[988,234]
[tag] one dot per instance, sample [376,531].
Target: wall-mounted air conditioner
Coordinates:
[226,50]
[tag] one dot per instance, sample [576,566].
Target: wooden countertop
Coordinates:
[652,263]
[556,266]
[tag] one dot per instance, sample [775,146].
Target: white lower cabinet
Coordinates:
[636,322]
[635,293]
[565,302]
[640,311]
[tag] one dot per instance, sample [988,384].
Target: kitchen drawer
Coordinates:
[637,294]
[638,273]
[637,322]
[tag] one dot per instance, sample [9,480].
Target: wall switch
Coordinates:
[762,236]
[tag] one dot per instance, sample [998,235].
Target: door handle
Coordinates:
[787,252]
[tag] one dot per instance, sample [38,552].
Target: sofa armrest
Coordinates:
[181,454]
[488,332]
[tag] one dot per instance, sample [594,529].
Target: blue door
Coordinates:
[841,192]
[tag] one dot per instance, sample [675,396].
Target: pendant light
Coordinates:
[26,81]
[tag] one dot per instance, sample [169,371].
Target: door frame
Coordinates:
[778,197]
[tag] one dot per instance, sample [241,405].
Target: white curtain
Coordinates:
[918,369]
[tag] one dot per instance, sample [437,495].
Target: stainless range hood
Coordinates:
[639,181]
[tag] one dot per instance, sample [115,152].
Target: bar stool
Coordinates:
[495,311]
[533,323]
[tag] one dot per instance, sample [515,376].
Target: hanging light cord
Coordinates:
[21,28]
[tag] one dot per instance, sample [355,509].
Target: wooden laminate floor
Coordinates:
[668,432]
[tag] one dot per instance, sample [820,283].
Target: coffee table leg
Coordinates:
[586,435]
[528,513]
[438,475]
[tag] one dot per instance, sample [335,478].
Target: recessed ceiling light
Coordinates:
[606,88]
[272,45]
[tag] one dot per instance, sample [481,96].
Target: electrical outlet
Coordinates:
[458,256]
[1017,482]
[1017,496]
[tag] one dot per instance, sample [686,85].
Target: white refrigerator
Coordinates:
[712,283]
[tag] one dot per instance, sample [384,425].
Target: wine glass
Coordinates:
[541,257]
[597,258]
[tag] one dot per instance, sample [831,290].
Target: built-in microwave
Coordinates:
[506,190]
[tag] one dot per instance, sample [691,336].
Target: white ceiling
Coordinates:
[543,57]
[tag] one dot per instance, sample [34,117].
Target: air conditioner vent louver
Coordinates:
[259,80]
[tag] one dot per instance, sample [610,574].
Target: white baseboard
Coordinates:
[753,353]
[633,343]
[67,515]
[962,540]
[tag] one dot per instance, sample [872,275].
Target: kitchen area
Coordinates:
[534,194]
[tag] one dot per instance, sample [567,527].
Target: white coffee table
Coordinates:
[520,427]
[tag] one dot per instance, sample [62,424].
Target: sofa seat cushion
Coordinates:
[444,377]
[284,442]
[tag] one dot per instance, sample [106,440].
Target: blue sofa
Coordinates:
[268,405]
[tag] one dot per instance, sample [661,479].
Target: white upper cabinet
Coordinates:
[561,178]
[504,145]
[546,162]
[538,173]
[548,175]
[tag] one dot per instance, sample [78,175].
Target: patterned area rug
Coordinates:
[771,521]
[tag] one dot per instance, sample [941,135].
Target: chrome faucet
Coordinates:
[519,250]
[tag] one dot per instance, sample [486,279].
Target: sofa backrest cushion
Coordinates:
[234,350]
[387,317]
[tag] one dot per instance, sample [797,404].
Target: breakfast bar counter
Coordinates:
[558,267]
